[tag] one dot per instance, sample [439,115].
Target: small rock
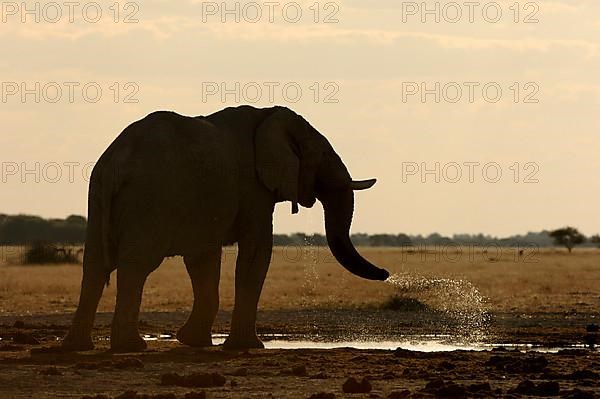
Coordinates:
[319,376]
[128,363]
[415,374]
[270,363]
[525,387]
[577,393]
[574,352]
[544,388]
[389,375]
[592,328]
[497,360]
[25,339]
[299,371]
[195,395]
[353,386]
[446,365]
[171,379]
[583,375]
[422,374]
[51,371]
[442,389]
[547,388]
[322,395]
[482,387]
[240,372]
[19,324]
[434,385]
[451,390]
[533,364]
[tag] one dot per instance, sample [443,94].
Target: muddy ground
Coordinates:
[29,370]
[545,300]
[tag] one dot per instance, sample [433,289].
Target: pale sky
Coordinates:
[373,62]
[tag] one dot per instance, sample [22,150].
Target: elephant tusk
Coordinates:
[362,184]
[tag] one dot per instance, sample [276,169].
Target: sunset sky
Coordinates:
[361,68]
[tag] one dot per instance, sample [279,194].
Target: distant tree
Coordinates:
[596,240]
[437,239]
[299,239]
[319,240]
[360,239]
[568,237]
[380,240]
[71,230]
[27,229]
[281,240]
[417,240]
[403,240]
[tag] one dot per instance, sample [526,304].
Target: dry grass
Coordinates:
[549,281]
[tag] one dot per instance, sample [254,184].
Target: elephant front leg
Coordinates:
[205,272]
[251,269]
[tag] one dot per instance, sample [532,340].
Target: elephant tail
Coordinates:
[105,206]
[105,228]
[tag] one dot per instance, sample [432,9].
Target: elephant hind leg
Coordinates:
[131,277]
[204,271]
[94,277]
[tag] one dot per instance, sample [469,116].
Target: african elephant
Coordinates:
[176,185]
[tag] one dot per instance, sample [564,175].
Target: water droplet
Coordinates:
[460,301]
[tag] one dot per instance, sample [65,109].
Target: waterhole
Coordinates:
[419,343]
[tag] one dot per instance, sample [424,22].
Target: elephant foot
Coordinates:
[76,344]
[191,337]
[235,343]
[125,345]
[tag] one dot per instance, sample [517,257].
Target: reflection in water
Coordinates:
[419,343]
[421,346]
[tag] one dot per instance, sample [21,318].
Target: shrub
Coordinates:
[42,253]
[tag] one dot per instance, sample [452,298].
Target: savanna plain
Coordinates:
[520,322]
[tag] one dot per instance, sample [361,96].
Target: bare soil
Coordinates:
[548,303]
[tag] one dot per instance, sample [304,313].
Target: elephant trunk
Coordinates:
[339,207]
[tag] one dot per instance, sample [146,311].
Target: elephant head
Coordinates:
[297,163]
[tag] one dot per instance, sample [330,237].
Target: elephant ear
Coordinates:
[277,164]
